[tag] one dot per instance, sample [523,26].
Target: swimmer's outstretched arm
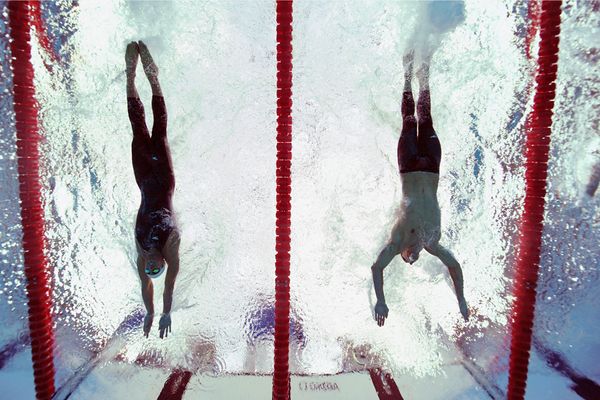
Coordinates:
[456,274]
[385,257]
[147,295]
[171,254]
[172,271]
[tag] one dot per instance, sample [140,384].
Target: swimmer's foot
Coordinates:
[408,62]
[423,72]
[131,59]
[150,67]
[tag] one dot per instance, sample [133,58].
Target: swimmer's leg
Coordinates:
[159,111]
[408,103]
[150,68]
[428,142]
[140,145]
[131,60]
[407,144]
[135,108]
[160,143]
[424,104]
[137,117]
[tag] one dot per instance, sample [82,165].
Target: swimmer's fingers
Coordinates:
[164,325]
[381,313]
[379,319]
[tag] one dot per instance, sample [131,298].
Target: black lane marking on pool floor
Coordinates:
[385,386]
[175,385]
[14,347]
[132,321]
[582,385]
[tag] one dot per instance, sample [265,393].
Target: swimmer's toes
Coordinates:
[408,57]
[423,72]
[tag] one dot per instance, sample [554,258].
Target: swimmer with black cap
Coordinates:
[156,233]
[418,224]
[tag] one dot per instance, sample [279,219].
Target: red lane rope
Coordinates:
[533,12]
[281,373]
[26,117]
[538,129]
[42,36]
[533,16]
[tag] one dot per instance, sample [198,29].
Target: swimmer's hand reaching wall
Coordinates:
[381,312]
[164,325]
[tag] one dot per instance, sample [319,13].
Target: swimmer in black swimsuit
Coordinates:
[418,224]
[156,234]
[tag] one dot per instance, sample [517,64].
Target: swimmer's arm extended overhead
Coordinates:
[455,271]
[384,258]
[147,287]
[171,254]
[170,283]
[147,295]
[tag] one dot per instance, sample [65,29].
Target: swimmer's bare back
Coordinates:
[419,215]
[418,224]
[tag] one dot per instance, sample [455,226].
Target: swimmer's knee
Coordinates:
[409,119]
[426,124]
[409,123]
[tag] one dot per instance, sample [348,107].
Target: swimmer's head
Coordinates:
[155,263]
[410,254]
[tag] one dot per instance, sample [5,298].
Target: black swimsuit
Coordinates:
[153,169]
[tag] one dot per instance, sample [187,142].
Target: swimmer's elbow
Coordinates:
[377,268]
